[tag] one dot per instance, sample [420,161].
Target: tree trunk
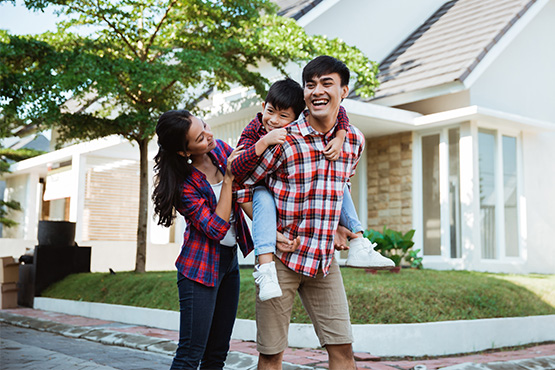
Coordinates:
[140,261]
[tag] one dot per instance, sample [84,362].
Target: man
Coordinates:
[308,191]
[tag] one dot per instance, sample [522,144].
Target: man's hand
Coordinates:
[341,235]
[286,245]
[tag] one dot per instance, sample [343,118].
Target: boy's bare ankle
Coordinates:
[265,258]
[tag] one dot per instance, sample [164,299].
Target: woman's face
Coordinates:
[200,139]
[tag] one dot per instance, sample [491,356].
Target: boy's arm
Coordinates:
[246,161]
[333,149]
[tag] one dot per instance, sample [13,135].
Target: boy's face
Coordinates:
[324,94]
[273,117]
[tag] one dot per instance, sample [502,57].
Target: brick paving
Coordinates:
[312,358]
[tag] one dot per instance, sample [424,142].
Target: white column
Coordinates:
[31,206]
[444,193]
[362,170]
[470,195]
[77,193]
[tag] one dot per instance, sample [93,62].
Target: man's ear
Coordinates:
[344,91]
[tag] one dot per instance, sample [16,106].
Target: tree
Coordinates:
[142,58]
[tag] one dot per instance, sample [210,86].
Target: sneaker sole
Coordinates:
[370,267]
[270,296]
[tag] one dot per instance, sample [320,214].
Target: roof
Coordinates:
[295,8]
[449,45]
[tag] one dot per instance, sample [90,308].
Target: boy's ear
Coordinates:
[263,105]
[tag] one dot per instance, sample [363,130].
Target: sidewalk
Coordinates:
[243,354]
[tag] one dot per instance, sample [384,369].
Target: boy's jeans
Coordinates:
[264,219]
[264,223]
[349,217]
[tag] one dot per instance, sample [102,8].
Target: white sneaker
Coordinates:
[362,254]
[265,276]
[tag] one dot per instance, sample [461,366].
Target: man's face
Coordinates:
[273,117]
[323,95]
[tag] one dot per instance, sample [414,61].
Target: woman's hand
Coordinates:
[234,154]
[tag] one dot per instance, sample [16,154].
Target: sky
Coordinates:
[18,20]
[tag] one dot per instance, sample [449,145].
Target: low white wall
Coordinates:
[117,255]
[436,338]
[15,247]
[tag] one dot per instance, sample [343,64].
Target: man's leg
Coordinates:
[270,362]
[272,319]
[325,301]
[341,357]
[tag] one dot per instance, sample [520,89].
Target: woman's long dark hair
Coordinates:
[170,168]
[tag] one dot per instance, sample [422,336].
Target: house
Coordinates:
[460,139]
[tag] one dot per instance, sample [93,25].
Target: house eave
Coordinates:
[485,115]
[420,94]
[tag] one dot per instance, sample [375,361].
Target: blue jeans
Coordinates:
[207,315]
[349,217]
[264,221]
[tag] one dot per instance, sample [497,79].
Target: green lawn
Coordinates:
[411,296]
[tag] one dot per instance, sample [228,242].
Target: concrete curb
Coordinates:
[538,363]
[105,336]
[431,339]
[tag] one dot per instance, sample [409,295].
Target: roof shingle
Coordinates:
[449,45]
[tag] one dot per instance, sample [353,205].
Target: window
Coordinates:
[430,195]
[498,195]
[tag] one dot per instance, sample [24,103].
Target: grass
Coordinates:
[411,296]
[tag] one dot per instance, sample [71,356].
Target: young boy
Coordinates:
[283,104]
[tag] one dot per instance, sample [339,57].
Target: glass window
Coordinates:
[454,194]
[430,195]
[486,150]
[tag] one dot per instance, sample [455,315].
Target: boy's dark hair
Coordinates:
[286,93]
[324,65]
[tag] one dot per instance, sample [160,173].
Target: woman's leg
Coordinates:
[225,311]
[196,306]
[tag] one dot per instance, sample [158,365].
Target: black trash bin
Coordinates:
[56,257]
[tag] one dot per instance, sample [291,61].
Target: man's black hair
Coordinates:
[324,65]
[287,93]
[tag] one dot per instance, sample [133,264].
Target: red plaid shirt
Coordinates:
[308,190]
[254,131]
[199,259]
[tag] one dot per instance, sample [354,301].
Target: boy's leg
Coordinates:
[361,251]
[264,234]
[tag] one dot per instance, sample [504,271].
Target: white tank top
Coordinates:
[229,239]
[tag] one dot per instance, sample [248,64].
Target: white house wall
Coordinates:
[376,27]
[539,200]
[521,79]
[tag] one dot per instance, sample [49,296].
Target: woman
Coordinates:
[193,177]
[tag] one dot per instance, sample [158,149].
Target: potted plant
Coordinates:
[395,245]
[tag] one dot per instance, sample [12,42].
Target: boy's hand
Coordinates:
[333,149]
[276,136]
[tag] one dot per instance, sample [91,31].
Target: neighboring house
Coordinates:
[460,138]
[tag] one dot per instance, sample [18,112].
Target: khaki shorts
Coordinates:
[324,300]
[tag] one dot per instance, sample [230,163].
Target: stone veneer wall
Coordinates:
[390,182]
